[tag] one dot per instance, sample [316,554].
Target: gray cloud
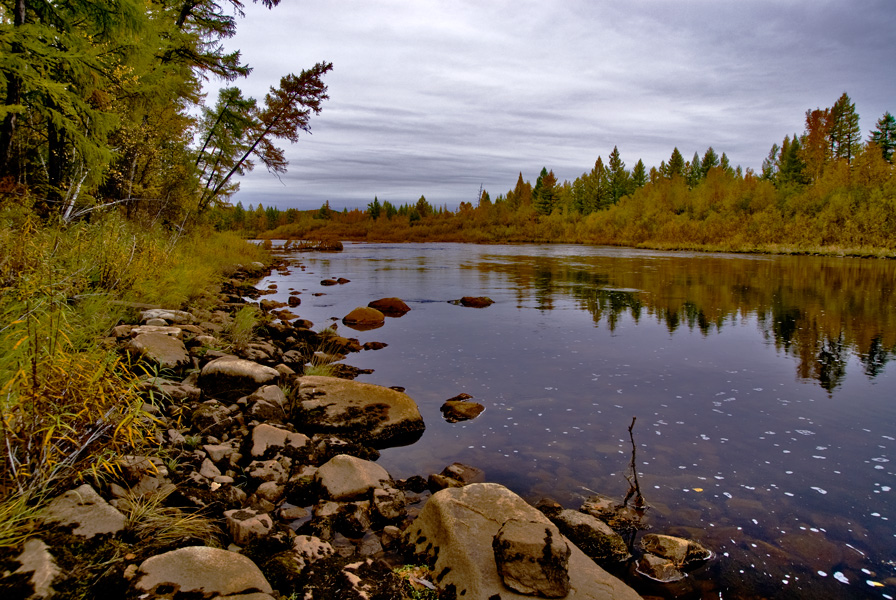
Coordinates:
[436,98]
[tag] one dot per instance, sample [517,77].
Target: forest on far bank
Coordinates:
[824,190]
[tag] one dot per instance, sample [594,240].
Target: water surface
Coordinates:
[764,399]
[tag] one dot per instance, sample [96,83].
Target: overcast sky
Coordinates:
[435,98]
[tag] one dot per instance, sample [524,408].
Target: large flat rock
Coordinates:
[369,413]
[456,529]
[202,571]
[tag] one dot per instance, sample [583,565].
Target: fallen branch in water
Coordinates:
[634,489]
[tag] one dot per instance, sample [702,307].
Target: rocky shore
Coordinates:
[263,484]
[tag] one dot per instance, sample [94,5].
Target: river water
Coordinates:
[762,387]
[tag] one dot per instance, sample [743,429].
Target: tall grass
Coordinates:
[68,405]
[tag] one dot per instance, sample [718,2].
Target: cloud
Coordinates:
[435,98]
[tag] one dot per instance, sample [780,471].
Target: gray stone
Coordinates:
[87,511]
[37,560]
[164,350]
[175,332]
[202,570]
[374,414]
[172,316]
[218,452]
[231,377]
[456,529]
[266,437]
[307,549]
[268,470]
[593,536]
[208,469]
[176,391]
[389,504]
[247,525]
[345,477]
[270,491]
[533,558]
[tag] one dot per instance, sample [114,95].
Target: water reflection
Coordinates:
[785,477]
[818,310]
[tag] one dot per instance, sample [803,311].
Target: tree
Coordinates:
[770,164]
[619,177]
[791,167]
[423,207]
[545,192]
[521,195]
[374,209]
[844,134]
[885,135]
[676,165]
[639,175]
[694,171]
[816,150]
[710,160]
[287,111]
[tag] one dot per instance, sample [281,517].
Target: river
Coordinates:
[762,385]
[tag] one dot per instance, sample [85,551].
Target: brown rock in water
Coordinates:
[474,301]
[293,301]
[328,282]
[363,318]
[679,550]
[455,411]
[392,307]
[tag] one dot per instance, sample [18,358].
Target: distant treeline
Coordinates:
[822,190]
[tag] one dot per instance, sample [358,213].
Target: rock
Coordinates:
[37,560]
[266,437]
[345,477]
[372,414]
[474,301]
[268,470]
[532,558]
[268,403]
[218,452]
[175,332]
[247,525]
[230,377]
[269,305]
[679,550]
[209,470]
[176,391]
[455,411]
[389,504]
[456,475]
[87,511]
[166,351]
[607,509]
[308,549]
[172,316]
[456,530]
[293,301]
[201,571]
[658,568]
[211,419]
[364,318]
[328,282]
[593,536]
[392,307]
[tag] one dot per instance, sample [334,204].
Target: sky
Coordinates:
[438,98]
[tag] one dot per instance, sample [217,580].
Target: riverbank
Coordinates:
[234,460]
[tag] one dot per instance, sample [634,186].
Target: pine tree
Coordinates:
[619,177]
[676,164]
[694,171]
[710,160]
[885,135]
[545,192]
[639,175]
[844,134]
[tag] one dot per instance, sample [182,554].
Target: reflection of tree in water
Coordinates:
[818,310]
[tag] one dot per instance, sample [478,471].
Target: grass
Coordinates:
[240,331]
[150,521]
[68,404]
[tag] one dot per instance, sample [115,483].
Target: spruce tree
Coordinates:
[885,135]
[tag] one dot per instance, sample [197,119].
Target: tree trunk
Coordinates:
[13,97]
